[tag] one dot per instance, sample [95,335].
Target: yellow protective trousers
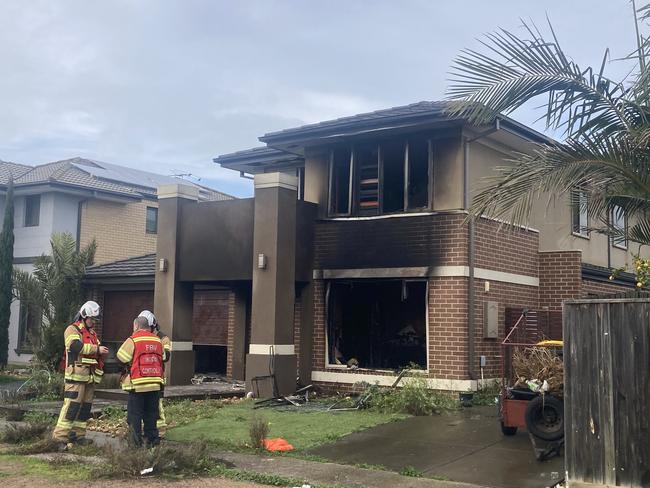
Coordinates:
[161,424]
[77,402]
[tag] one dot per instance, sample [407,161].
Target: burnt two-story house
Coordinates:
[356,256]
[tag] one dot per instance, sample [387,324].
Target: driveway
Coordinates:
[465,446]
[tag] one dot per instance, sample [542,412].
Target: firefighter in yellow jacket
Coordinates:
[84,362]
[143,351]
[167,350]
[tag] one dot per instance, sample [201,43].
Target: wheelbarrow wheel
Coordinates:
[545,418]
[506,430]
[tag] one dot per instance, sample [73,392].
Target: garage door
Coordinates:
[210,317]
[120,308]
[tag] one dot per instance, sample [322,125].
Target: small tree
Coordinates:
[55,288]
[6,264]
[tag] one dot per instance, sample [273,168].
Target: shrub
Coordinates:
[171,461]
[414,398]
[16,434]
[487,395]
[258,431]
[37,417]
[410,471]
[44,385]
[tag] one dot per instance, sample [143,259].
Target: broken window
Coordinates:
[418,173]
[378,324]
[392,156]
[340,179]
[366,159]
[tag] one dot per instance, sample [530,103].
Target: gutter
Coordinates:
[471,252]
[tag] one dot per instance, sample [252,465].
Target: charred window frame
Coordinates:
[341,173]
[300,174]
[619,223]
[389,319]
[388,177]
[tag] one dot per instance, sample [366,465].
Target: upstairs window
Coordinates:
[381,178]
[152,220]
[29,324]
[579,216]
[340,181]
[619,223]
[32,210]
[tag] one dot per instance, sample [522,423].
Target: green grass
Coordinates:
[228,426]
[59,471]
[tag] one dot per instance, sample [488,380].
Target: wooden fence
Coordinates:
[607,392]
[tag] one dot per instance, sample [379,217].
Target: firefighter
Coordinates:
[167,350]
[144,352]
[84,363]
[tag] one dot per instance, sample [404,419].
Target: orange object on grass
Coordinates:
[277,445]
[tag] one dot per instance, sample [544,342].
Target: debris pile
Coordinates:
[536,365]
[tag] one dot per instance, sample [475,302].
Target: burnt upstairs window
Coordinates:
[418,173]
[32,210]
[405,175]
[340,181]
[152,220]
[579,215]
[393,157]
[367,163]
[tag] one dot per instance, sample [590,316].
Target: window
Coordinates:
[619,223]
[152,220]
[377,324]
[340,181]
[579,217]
[32,210]
[390,176]
[29,324]
[300,174]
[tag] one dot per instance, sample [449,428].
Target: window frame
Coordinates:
[146,221]
[619,243]
[35,214]
[576,198]
[354,209]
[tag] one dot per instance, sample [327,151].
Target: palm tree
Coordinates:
[54,288]
[606,148]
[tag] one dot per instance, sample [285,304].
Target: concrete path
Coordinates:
[466,446]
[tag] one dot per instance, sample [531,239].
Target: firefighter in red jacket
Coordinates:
[84,367]
[143,351]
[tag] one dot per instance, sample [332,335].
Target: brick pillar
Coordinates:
[173,300]
[272,350]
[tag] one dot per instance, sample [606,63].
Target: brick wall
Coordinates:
[210,317]
[560,278]
[118,229]
[429,240]
[297,317]
[601,288]
[504,249]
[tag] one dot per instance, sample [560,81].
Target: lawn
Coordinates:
[229,426]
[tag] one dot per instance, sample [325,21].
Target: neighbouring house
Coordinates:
[356,258]
[115,205]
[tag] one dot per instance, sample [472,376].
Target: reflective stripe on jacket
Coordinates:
[83,365]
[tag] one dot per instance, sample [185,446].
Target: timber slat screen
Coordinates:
[607,392]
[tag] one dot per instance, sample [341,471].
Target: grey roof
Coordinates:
[11,169]
[139,266]
[258,156]
[99,176]
[402,114]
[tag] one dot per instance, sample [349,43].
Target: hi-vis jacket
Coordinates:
[125,381]
[144,351]
[83,363]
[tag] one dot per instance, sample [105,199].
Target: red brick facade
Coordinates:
[560,278]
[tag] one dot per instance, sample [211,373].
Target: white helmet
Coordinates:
[151,318]
[89,309]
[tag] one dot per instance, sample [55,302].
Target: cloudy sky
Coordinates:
[166,85]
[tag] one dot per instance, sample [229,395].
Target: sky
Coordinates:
[167,85]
